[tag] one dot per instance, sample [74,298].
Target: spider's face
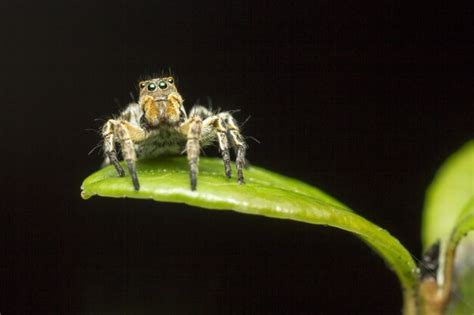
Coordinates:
[160,101]
[158,88]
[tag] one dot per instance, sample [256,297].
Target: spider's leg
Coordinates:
[224,147]
[238,143]
[193,148]
[215,125]
[109,146]
[221,131]
[127,134]
[200,111]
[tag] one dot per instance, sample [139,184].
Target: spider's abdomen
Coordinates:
[161,141]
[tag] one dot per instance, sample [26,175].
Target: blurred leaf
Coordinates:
[448,195]
[449,217]
[464,223]
[462,301]
[462,298]
[264,193]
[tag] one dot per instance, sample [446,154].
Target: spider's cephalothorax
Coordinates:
[158,124]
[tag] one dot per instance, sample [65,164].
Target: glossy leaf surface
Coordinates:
[264,193]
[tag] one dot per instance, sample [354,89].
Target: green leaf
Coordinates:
[449,217]
[463,279]
[464,223]
[447,196]
[461,302]
[264,193]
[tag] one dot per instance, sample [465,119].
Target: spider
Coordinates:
[158,125]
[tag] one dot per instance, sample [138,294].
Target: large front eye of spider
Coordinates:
[162,85]
[151,87]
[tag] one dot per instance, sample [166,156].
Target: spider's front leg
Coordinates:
[126,134]
[192,128]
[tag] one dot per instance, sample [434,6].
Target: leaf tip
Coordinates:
[85,194]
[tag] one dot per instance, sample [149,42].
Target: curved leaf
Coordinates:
[447,196]
[462,246]
[464,223]
[449,216]
[264,193]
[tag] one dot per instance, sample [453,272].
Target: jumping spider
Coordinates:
[158,125]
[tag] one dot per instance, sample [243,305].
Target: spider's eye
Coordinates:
[151,87]
[162,85]
[142,85]
[170,80]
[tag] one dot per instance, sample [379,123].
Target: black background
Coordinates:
[362,100]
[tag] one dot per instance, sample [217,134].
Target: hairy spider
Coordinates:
[158,125]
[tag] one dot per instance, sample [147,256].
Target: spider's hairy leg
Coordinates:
[218,126]
[194,127]
[223,146]
[238,143]
[109,146]
[200,111]
[126,134]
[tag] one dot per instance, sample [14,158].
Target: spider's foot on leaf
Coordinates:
[133,172]
[114,161]
[193,183]
[228,172]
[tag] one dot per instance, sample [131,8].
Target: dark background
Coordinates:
[362,100]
